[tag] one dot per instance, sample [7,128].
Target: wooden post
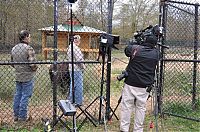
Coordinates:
[44,44]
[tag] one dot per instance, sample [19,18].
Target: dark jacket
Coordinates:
[142,65]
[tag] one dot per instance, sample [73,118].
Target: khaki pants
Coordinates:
[133,99]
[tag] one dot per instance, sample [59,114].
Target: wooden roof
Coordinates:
[77,27]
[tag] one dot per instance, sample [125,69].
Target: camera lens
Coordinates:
[122,76]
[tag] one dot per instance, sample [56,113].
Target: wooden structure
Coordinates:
[89,38]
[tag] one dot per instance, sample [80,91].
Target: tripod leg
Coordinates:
[64,124]
[87,115]
[113,112]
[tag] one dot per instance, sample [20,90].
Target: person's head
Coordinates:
[77,39]
[24,36]
[150,41]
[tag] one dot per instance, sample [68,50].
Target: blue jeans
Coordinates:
[24,91]
[78,87]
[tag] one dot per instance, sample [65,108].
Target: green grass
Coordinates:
[183,109]
[181,81]
[181,125]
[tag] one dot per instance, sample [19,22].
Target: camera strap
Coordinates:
[134,51]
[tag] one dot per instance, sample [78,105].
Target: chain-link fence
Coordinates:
[180,93]
[50,22]
[51,25]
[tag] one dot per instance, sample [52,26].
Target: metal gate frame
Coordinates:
[195,61]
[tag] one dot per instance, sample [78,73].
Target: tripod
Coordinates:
[101,97]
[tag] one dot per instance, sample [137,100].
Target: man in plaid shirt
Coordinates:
[24,75]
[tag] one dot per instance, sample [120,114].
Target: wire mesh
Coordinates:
[89,20]
[180,91]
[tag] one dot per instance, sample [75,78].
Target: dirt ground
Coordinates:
[39,112]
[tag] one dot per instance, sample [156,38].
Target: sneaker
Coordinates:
[15,119]
[25,119]
[22,119]
[78,105]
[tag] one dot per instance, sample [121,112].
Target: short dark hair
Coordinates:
[23,34]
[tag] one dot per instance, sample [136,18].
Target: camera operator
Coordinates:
[143,59]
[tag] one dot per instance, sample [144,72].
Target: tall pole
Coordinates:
[72,53]
[196,41]
[109,31]
[72,64]
[55,61]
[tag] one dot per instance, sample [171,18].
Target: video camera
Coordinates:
[72,1]
[107,41]
[149,35]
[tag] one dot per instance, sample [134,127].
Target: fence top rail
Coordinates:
[46,62]
[181,9]
[181,2]
[181,60]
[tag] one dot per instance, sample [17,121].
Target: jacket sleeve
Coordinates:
[32,58]
[128,50]
[12,60]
